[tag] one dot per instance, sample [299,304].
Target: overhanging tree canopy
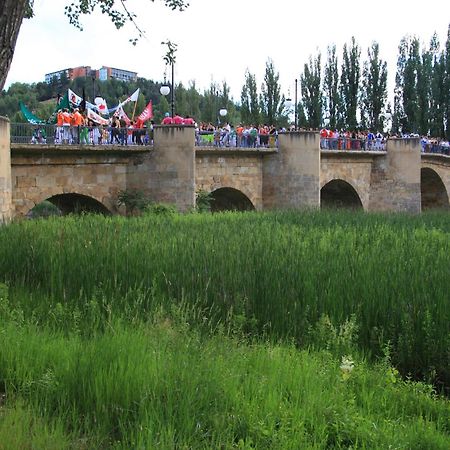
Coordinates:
[12,13]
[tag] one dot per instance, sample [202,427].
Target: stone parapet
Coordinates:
[395,180]
[167,174]
[291,177]
[6,207]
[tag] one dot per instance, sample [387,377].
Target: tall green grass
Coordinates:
[225,331]
[285,271]
[163,385]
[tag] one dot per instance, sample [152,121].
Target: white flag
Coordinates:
[100,103]
[134,97]
[74,98]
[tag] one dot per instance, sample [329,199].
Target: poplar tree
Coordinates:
[350,78]
[311,88]
[410,87]
[446,88]
[374,92]
[424,82]
[271,101]
[209,105]
[193,101]
[332,98]
[398,117]
[301,116]
[250,108]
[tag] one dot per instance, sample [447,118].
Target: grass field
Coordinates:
[226,331]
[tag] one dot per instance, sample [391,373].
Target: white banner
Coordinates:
[96,117]
[76,100]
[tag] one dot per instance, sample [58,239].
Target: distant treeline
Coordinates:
[347,92]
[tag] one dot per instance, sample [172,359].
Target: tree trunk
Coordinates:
[12,13]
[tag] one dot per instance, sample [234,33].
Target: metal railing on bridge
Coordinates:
[25,133]
[49,134]
[442,148]
[225,139]
[361,144]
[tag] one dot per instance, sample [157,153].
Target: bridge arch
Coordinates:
[339,193]
[434,195]
[230,199]
[74,203]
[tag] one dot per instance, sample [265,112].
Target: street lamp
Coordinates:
[169,58]
[387,116]
[164,89]
[295,106]
[288,104]
[223,112]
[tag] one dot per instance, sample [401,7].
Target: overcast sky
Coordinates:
[219,40]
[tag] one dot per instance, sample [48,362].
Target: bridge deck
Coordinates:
[36,149]
[235,151]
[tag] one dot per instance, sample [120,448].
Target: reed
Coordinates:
[283,270]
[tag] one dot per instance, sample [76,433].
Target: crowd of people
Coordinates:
[355,140]
[77,128]
[345,140]
[432,145]
[226,135]
[246,136]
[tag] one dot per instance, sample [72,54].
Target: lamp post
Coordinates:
[288,105]
[223,112]
[169,58]
[295,106]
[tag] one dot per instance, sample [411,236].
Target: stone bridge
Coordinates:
[296,175]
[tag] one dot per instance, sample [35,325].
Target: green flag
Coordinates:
[29,116]
[63,103]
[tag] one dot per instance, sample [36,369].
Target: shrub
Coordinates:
[133,199]
[203,201]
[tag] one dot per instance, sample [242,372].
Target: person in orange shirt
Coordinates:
[77,122]
[77,118]
[67,120]
[239,131]
[59,127]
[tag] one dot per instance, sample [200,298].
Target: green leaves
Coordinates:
[116,10]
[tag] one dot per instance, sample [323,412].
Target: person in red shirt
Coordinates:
[167,120]
[177,120]
[189,121]
[323,138]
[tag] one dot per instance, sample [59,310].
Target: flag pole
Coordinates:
[134,110]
